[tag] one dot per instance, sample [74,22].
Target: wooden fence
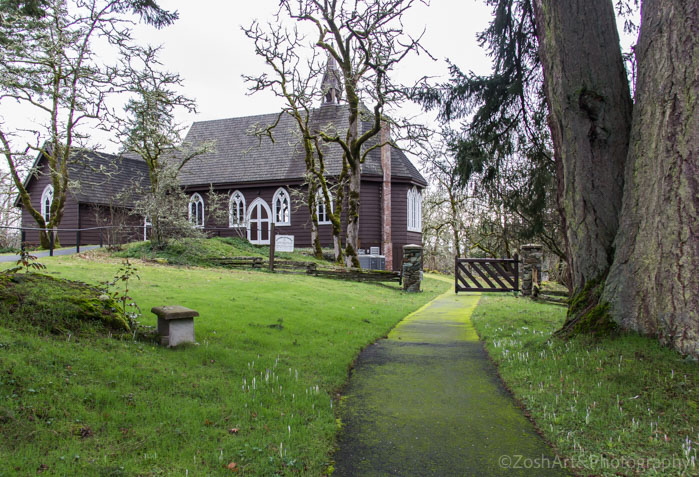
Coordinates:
[486,274]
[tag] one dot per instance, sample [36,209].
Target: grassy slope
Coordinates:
[102,406]
[49,304]
[625,403]
[200,251]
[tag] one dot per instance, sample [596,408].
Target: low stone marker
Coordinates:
[175,324]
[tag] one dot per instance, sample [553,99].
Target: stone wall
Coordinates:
[532,256]
[412,268]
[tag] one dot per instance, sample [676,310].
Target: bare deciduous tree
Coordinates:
[366,40]
[11,216]
[151,132]
[294,79]
[49,64]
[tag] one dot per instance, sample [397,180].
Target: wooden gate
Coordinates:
[486,274]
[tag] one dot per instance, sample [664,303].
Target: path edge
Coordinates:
[339,392]
[518,402]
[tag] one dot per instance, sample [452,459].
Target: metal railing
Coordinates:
[215,231]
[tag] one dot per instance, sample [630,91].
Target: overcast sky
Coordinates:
[208,49]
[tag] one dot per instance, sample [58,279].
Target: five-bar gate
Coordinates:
[486,274]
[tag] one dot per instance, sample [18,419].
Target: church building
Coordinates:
[262,179]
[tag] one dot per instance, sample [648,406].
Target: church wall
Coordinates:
[88,216]
[399,222]
[70,212]
[300,228]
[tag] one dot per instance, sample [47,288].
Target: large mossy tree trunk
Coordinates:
[653,284]
[633,182]
[354,180]
[313,211]
[352,240]
[590,117]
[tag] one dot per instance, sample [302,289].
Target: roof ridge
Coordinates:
[236,117]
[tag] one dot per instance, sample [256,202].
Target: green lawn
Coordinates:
[200,252]
[256,391]
[613,406]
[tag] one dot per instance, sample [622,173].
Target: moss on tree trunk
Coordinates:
[587,313]
[629,191]
[590,114]
[653,284]
[352,242]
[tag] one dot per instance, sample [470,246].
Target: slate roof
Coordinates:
[101,178]
[108,179]
[240,156]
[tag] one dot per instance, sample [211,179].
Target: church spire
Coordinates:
[332,85]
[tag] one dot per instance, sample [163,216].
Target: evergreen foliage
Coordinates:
[504,145]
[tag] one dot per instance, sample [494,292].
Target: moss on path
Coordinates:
[427,401]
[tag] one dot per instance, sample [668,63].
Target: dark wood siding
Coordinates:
[399,222]
[125,226]
[300,228]
[299,224]
[70,212]
[89,216]
[370,215]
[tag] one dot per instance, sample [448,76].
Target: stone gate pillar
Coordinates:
[412,268]
[532,256]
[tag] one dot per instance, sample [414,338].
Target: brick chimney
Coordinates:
[387,241]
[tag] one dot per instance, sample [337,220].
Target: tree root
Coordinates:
[587,314]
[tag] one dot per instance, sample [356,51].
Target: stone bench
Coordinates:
[175,324]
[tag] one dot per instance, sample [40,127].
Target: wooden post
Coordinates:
[77,241]
[51,243]
[101,238]
[516,272]
[23,239]
[456,282]
[272,243]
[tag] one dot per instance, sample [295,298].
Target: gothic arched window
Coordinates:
[281,204]
[196,210]
[414,210]
[46,201]
[236,210]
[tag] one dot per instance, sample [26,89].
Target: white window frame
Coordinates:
[259,222]
[320,203]
[46,211]
[146,223]
[419,210]
[409,199]
[280,194]
[237,198]
[195,198]
[414,210]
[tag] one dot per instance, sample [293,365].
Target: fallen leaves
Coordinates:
[233,467]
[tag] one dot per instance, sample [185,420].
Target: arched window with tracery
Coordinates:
[196,210]
[281,204]
[414,210]
[46,201]
[236,210]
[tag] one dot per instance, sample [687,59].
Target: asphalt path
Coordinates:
[427,401]
[45,253]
